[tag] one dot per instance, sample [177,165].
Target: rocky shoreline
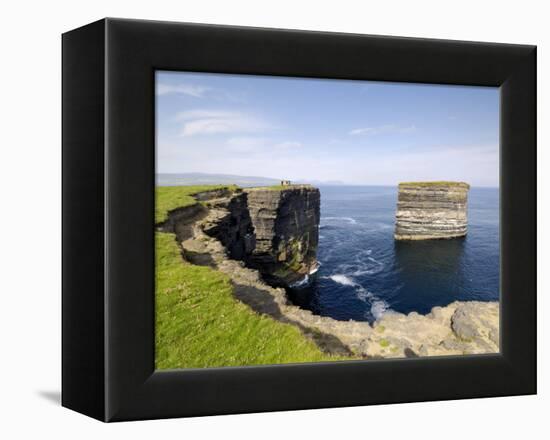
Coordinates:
[459,328]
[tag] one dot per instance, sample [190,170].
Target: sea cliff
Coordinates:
[431,210]
[274,230]
[285,220]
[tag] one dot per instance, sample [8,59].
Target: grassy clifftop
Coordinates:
[435,183]
[169,198]
[279,187]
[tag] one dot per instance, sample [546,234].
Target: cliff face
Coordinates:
[273,230]
[431,210]
[229,221]
[286,227]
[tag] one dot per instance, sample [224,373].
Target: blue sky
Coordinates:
[355,132]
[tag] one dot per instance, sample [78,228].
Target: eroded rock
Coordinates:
[431,210]
[286,228]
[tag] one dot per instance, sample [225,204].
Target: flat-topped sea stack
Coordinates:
[431,210]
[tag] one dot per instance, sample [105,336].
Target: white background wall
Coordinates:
[31,216]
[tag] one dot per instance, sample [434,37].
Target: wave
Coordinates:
[361,266]
[350,220]
[342,279]
[300,283]
[327,227]
[378,305]
[378,308]
[306,279]
[316,268]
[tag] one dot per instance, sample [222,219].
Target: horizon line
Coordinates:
[305,181]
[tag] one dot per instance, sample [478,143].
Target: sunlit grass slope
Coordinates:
[169,198]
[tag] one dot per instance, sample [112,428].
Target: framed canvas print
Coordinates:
[262,219]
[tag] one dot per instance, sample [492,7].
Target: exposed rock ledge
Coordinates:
[459,328]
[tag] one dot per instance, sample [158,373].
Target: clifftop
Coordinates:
[281,187]
[443,183]
[171,198]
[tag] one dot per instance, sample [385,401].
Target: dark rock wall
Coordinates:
[286,228]
[187,214]
[232,225]
[273,230]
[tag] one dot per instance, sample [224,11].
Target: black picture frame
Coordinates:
[108,224]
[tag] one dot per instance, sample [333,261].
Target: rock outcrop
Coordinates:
[431,210]
[229,221]
[286,227]
[273,229]
[462,327]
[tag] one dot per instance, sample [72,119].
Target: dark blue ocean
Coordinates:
[365,272]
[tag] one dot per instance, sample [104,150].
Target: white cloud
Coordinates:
[246,144]
[357,131]
[256,156]
[182,89]
[287,145]
[202,122]
[382,129]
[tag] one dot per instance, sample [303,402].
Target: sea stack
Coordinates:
[431,210]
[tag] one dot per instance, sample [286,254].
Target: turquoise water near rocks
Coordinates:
[365,272]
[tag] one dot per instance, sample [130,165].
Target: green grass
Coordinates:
[277,187]
[169,198]
[435,183]
[200,324]
[268,188]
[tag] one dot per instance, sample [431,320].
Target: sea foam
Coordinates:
[342,279]
[350,220]
[378,306]
[300,283]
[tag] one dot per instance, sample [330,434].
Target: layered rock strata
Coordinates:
[230,222]
[286,228]
[431,210]
[273,229]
